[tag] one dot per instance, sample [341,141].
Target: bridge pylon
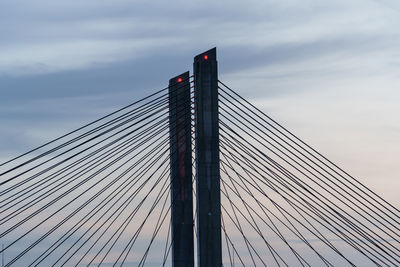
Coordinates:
[181,171]
[209,250]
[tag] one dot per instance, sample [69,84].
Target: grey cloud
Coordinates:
[197,27]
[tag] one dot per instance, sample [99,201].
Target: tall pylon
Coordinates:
[181,171]
[207,169]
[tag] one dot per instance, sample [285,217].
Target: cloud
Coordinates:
[69,50]
[73,36]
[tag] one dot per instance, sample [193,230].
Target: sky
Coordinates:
[327,70]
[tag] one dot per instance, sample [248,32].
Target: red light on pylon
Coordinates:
[205,57]
[179,80]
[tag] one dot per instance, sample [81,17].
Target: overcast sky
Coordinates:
[327,70]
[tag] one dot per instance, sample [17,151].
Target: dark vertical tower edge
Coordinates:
[181,171]
[207,160]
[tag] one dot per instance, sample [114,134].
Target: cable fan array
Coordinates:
[100,195]
[97,195]
[287,205]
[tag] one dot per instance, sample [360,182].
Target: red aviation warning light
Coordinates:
[205,57]
[179,80]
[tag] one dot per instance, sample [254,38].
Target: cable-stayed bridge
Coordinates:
[191,175]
